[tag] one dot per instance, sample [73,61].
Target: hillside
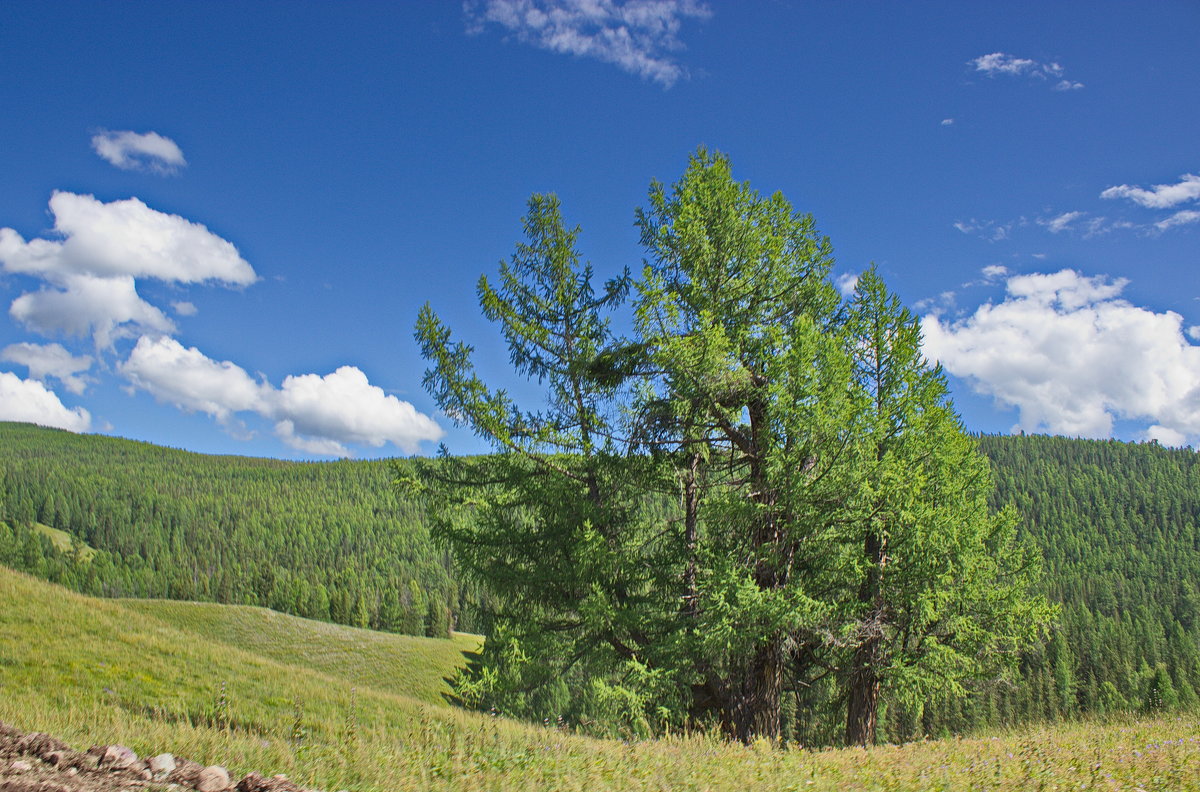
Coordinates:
[100,671]
[1118,525]
[327,541]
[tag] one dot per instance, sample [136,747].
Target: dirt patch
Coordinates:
[40,763]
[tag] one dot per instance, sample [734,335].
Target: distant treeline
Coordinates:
[324,540]
[1118,525]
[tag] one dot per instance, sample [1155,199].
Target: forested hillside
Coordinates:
[1118,525]
[323,540]
[1119,529]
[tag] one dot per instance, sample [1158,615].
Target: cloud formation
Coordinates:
[313,413]
[148,151]
[1160,196]
[29,401]
[1001,63]
[636,35]
[51,360]
[1073,357]
[1182,217]
[90,272]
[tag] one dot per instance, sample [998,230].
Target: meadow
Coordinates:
[342,708]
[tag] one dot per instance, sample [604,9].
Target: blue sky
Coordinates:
[219,221]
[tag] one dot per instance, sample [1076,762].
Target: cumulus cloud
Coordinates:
[50,360]
[993,271]
[105,308]
[124,238]
[103,247]
[947,122]
[1072,357]
[637,35]
[313,413]
[148,151]
[184,308]
[1001,63]
[1159,196]
[29,401]
[190,380]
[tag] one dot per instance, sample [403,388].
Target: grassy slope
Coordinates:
[401,664]
[62,540]
[94,671]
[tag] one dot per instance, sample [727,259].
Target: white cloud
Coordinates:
[184,308]
[1001,63]
[993,271]
[190,380]
[635,35]
[50,360]
[985,229]
[846,283]
[1072,358]
[148,151]
[124,238]
[1160,196]
[320,415]
[105,308]
[345,407]
[29,401]
[92,269]
[947,122]
[1062,222]
[1182,217]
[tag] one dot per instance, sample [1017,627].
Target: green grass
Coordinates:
[180,678]
[64,541]
[401,664]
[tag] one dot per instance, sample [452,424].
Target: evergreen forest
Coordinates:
[324,540]
[1118,526]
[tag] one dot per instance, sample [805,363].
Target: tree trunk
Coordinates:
[863,709]
[753,709]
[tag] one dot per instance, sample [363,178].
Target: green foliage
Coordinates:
[830,517]
[321,540]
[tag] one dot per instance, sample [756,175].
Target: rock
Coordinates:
[162,765]
[67,758]
[40,744]
[254,782]
[213,779]
[118,757]
[186,772]
[20,766]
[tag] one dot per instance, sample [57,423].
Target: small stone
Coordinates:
[162,765]
[253,782]
[213,779]
[20,766]
[40,744]
[72,771]
[118,757]
[186,772]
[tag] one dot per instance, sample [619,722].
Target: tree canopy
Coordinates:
[762,490]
